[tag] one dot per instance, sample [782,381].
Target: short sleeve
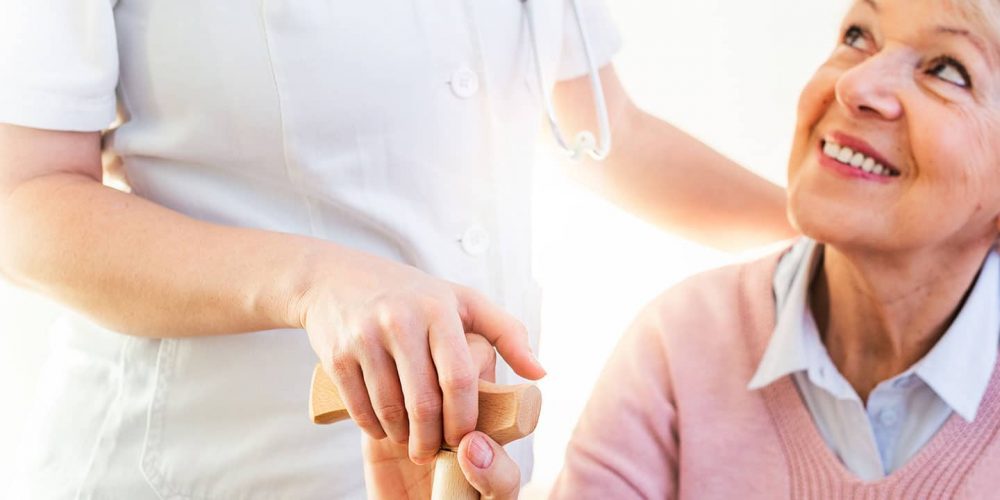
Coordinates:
[602,36]
[58,64]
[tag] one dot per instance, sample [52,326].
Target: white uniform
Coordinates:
[404,129]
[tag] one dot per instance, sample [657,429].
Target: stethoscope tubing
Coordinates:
[584,143]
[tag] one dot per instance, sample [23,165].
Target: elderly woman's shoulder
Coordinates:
[716,305]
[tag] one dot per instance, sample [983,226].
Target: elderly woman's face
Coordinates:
[897,145]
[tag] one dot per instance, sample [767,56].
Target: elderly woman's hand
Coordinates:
[488,468]
[390,474]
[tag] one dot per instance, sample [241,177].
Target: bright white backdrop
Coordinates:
[727,71]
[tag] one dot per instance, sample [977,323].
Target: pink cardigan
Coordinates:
[671,416]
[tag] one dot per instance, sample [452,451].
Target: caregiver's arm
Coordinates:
[625,445]
[145,270]
[670,178]
[132,265]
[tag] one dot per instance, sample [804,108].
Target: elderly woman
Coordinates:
[861,362]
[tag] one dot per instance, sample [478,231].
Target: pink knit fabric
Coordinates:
[671,416]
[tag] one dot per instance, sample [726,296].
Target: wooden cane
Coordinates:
[506,413]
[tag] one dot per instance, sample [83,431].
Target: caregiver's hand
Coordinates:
[392,339]
[389,473]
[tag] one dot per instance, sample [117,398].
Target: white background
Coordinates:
[727,71]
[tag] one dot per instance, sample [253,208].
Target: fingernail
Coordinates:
[480,453]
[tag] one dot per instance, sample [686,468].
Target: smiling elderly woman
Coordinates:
[861,362]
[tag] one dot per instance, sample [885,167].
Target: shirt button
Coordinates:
[464,83]
[901,382]
[475,241]
[888,418]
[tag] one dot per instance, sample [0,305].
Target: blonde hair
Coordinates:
[983,12]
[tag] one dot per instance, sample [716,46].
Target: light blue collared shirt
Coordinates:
[904,412]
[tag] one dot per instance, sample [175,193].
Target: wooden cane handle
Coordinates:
[449,482]
[325,405]
[506,413]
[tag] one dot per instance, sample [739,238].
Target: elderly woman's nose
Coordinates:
[871,88]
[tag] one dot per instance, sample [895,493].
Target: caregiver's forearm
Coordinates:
[131,264]
[671,179]
[144,270]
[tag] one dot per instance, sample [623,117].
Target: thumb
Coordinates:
[488,468]
[504,331]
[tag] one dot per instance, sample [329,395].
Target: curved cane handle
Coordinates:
[506,412]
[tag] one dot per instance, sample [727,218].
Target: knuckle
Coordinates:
[392,318]
[426,408]
[368,335]
[341,365]
[367,420]
[458,381]
[391,413]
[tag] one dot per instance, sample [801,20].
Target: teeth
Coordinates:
[868,165]
[858,160]
[845,155]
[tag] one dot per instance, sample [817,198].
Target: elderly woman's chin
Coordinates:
[854,224]
[826,221]
[818,211]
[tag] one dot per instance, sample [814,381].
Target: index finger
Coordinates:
[504,331]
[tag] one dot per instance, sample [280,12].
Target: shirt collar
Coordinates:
[971,340]
[789,352]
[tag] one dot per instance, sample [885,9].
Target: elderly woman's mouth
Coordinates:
[853,153]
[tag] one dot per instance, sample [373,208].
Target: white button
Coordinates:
[475,240]
[888,417]
[464,83]
[901,382]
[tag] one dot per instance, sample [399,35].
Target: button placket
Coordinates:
[888,417]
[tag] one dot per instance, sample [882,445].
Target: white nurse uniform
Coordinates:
[402,128]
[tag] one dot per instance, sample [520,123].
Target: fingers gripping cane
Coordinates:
[506,413]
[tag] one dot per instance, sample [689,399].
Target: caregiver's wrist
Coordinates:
[299,282]
[317,268]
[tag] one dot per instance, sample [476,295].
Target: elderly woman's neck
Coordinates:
[879,316]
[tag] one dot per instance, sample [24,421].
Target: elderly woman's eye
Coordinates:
[854,37]
[951,71]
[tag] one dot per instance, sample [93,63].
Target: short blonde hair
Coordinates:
[983,12]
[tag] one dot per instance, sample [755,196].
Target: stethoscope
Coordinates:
[584,141]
